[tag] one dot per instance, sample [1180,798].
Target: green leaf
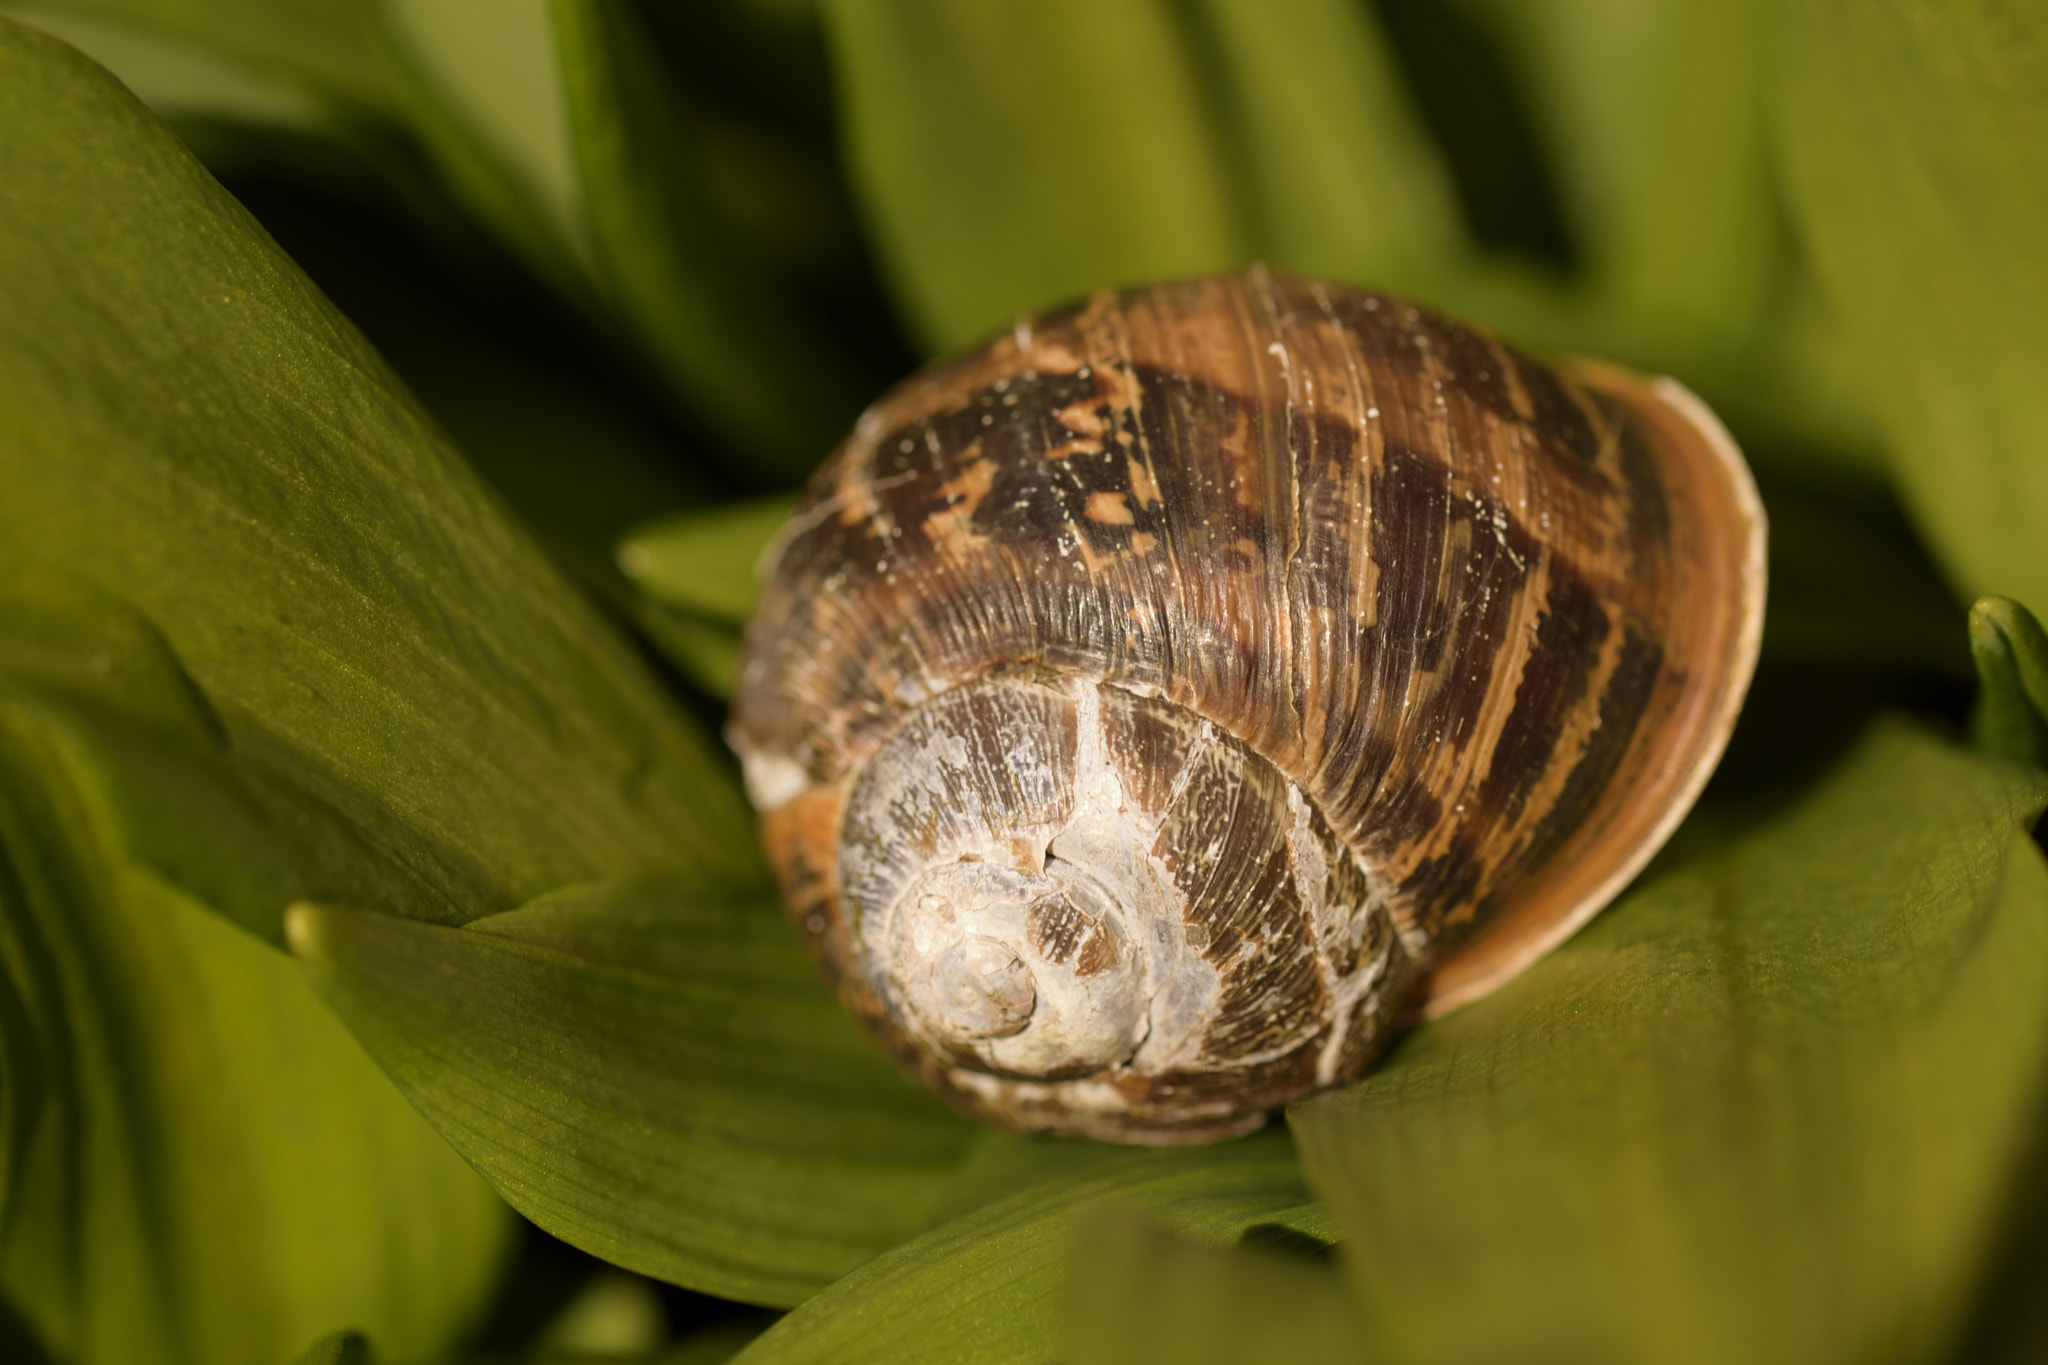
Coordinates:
[548,121]
[188,428]
[706,562]
[201,1165]
[1340,179]
[1654,112]
[1139,1294]
[1915,144]
[986,1286]
[1765,1108]
[1011,157]
[2011,650]
[653,1073]
[723,331]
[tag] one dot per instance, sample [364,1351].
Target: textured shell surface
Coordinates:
[1149,708]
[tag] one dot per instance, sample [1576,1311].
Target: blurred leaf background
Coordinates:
[395,396]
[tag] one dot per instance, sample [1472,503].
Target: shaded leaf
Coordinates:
[1138,1294]
[1915,143]
[723,331]
[986,1287]
[1763,1109]
[2011,650]
[1655,114]
[188,428]
[548,123]
[653,1073]
[201,1165]
[1008,157]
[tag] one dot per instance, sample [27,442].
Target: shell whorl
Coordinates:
[1288,651]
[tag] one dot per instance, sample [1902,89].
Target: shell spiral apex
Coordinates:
[1149,708]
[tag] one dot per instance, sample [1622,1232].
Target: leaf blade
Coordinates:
[1680,1136]
[653,1073]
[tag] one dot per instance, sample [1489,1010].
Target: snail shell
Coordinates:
[1149,707]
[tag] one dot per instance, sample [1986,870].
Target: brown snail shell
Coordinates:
[1148,707]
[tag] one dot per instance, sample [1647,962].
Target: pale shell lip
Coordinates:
[1449,986]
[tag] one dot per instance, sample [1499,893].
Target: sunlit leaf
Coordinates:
[202,1165]
[1763,1109]
[2011,651]
[1915,139]
[189,429]
[655,1074]
[986,1287]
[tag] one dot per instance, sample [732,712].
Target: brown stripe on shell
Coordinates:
[1487,614]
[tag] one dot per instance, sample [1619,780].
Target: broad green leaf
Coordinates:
[188,428]
[706,562]
[1765,1108]
[202,1165]
[985,1288]
[176,76]
[1138,1294]
[1009,157]
[2011,651]
[1340,179]
[655,1074]
[1914,138]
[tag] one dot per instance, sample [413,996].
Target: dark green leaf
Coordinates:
[189,429]
[655,1074]
[2011,650]
[985,1287]
[201,1166]
[1138,1294]
[726,334]
[1915,137]
[1011,157]
[1764,1109]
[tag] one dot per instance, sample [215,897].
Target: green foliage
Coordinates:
[199,1164]
[1763,1109]
[394,649]
[1916,149]
[739,1135]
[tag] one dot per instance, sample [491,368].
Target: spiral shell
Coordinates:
[1148,708]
